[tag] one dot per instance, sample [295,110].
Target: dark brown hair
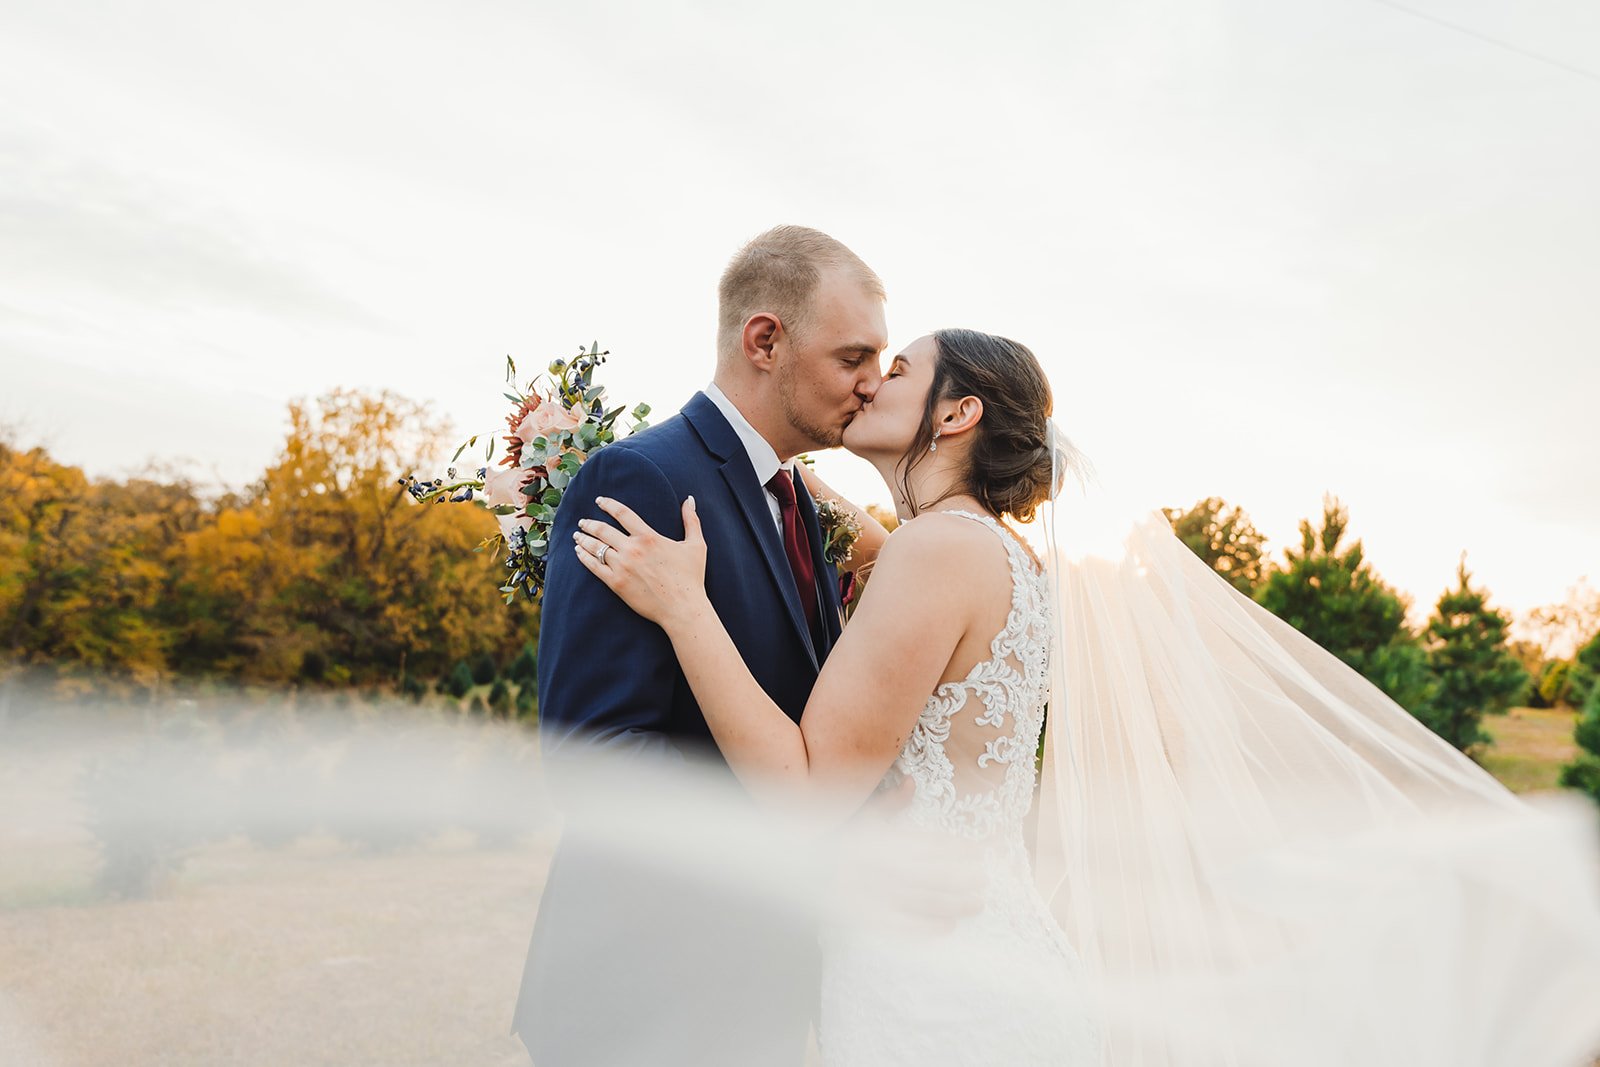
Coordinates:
[1010,469]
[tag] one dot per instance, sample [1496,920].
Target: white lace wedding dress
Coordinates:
[1002,985]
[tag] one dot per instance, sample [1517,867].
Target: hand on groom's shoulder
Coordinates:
[605,674]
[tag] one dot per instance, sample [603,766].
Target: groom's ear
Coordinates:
[762,331]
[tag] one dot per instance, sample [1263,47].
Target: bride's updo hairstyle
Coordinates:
[1009,467]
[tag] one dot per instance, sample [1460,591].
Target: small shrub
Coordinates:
[484,670]
[313,666]
[500,697]
[459,684]
[528,703]
[525,668]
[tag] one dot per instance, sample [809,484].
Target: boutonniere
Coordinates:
[840,531]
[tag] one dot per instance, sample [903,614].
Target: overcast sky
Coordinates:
[1266,249]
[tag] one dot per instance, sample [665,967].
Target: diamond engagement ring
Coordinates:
[601,555]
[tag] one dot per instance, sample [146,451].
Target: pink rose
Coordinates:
[516,521]
[503,485]
[548,419]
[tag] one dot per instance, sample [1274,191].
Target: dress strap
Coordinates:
[1016,551]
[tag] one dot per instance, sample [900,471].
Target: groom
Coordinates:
[800,331]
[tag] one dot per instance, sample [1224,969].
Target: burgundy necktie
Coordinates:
[796,545]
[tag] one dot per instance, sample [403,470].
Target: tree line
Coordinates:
[320,573]
[323,573]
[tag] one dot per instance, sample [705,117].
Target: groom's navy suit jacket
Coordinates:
[609,682]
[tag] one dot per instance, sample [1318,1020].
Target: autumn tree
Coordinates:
[1224,538]
[1474,671]
[1328,591]
[85,565]
[352,568]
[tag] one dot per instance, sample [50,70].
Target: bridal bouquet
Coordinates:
[554,426]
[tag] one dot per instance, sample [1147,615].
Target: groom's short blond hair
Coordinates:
[777,272]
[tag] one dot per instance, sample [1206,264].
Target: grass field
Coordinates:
[1530,747]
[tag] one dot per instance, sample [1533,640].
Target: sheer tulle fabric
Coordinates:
[1262,859]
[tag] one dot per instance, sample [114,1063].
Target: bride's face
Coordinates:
[886,426]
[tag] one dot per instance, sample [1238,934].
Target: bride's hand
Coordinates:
[657,577]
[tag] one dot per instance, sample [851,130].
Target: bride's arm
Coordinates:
[871,689]
[873,532]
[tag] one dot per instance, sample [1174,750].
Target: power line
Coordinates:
[1568,67]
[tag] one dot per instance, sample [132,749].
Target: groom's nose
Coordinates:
[867,384]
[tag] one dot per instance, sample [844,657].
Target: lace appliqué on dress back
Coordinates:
[971,751]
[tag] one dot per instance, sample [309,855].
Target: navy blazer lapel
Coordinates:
[719,437]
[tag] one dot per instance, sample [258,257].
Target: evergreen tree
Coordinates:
[500,697]
[1333,596]
[1224,538]
[1583,774]
[459,684]
[1584,673]
[484,669]
[528,703]
[1474,671]
[525,668]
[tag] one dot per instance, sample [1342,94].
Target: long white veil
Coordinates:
[1265,860]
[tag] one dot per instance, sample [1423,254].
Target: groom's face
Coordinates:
[831,368]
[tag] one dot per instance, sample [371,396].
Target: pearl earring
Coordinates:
[933,446]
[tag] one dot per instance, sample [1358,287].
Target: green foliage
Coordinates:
[525,668]
[1332,595]
[528,703]
[1583,774]
[1474,671]
[1224,538]
[1585,672]
[575,423]
[1553,688]
[500,697]
[477,706]
[459,683]
[484,670]
[413,688]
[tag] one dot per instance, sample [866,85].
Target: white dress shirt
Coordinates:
[762,457]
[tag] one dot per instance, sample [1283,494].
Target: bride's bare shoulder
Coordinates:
[941,539]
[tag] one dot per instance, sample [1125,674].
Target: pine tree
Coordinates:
[528,703]
[459,684]
[1585,672]
[500,697]
[1583,774]
[525,668]
[1474,671]
[1334,597]
[1224,538]
[484,669]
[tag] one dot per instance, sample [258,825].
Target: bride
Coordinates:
[1245,853]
